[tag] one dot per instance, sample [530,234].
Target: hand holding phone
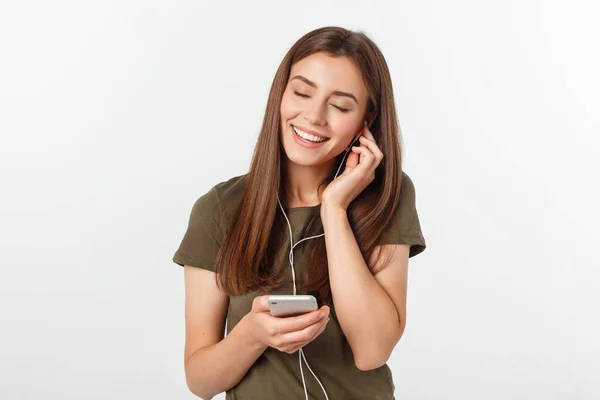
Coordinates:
[287,334]
[290,305]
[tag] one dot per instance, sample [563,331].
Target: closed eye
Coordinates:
[344,110]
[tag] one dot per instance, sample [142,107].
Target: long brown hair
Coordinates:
[246,261]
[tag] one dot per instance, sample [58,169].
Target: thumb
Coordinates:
[352,161]
[260,304]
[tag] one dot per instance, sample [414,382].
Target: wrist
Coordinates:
[329,208]
[247,335]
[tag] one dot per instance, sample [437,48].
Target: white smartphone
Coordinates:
[290,305]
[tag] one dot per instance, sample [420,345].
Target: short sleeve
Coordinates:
[203,237]
[404,226]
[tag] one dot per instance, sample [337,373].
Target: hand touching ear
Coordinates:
[359,173]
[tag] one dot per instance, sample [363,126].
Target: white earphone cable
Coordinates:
[301,355]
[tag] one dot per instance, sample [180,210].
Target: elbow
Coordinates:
[375,358]
[196,388]
[370,363]
[198,392]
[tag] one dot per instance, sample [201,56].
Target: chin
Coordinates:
[299,160]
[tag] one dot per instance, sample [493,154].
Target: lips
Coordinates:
[309,132]
[305,143]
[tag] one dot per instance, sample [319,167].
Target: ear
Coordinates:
[369,118]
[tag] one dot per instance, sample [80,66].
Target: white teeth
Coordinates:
[308,136]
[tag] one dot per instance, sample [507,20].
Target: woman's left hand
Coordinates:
[357,175]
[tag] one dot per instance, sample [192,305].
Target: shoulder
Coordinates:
[229,193]
[232,188]
[407,188]
[220,198]
[403,226]
[220,203]
[405,209]
[406,182]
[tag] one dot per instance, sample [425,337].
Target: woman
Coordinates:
[332,90]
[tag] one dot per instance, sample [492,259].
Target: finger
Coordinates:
[366,156]
[321,330]
[354,140]
[352,161]
[297,346]
[293,347]
[261,304]
[297,323]
[371,145]
[368,134]
[301,335]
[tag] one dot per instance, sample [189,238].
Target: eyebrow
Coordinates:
[335,93]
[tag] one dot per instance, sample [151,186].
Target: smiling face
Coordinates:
[326,98]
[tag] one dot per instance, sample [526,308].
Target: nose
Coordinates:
[315,114]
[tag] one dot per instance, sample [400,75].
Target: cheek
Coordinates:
[288,106]
[345,128]
[283,108]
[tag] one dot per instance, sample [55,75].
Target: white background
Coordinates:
[116,116]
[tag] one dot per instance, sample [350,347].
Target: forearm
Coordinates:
[219,367]
[365,312]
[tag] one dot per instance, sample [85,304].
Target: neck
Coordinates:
[301,184]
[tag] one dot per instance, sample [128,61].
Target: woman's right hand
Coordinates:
[287,334]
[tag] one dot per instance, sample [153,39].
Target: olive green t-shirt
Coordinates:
[276,375]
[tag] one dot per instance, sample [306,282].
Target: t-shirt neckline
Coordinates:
[302,208]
